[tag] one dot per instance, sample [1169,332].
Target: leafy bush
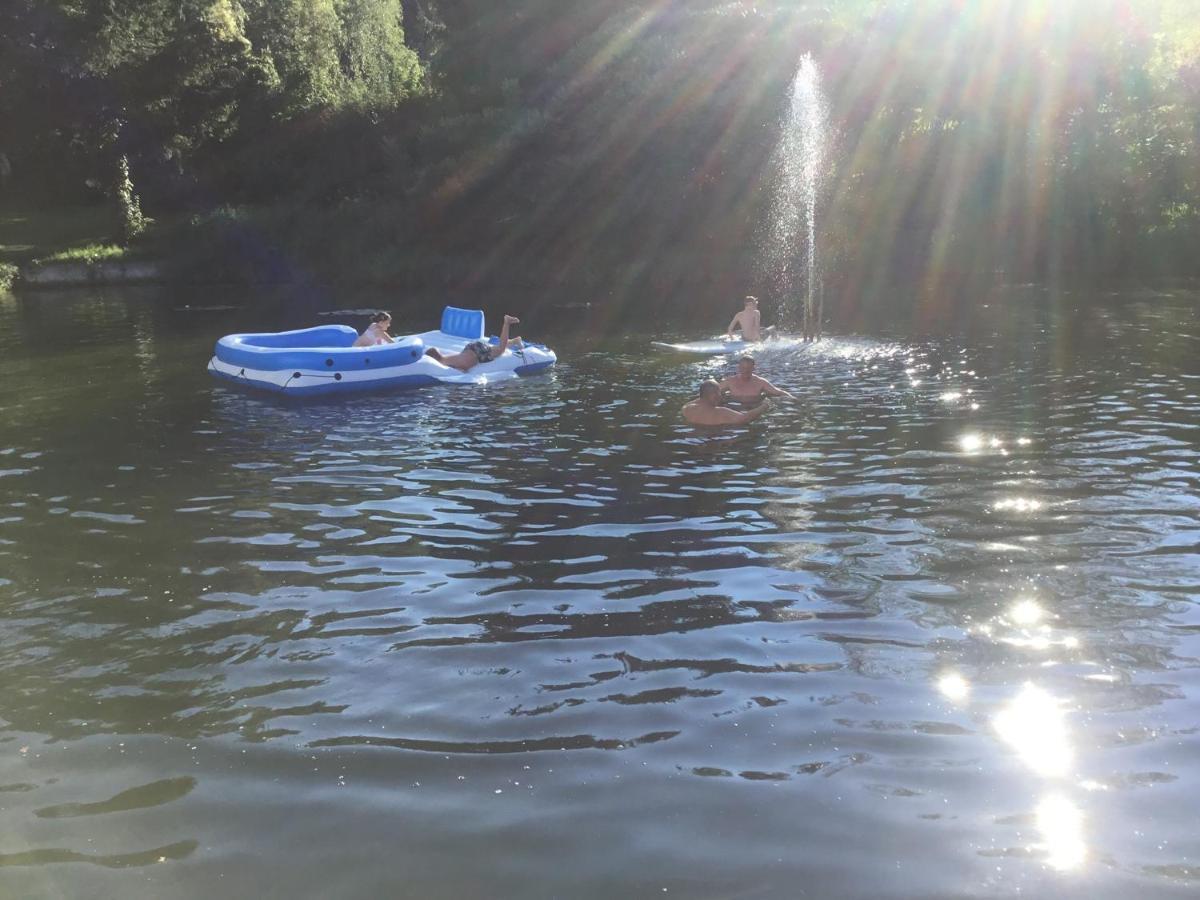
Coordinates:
[130,221]
[8,275]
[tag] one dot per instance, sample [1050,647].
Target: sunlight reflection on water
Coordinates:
[1062,827]
[954,686]
[1034,724]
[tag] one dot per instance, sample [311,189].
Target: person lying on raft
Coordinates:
[478,352]
[377,331]
[745,386]
[707,410]
[749,322]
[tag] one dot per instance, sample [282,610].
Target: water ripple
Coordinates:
[945,605]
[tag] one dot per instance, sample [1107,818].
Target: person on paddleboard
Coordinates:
[706,409]
[749,322]
[747,387]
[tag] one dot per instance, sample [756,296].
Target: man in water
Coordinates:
[747,387]
[749,322]
[478,352]
[706,409]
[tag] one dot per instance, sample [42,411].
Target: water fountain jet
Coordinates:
[791,254]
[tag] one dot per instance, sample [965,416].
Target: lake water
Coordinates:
[932,631]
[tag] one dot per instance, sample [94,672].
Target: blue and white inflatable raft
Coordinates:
[314,361]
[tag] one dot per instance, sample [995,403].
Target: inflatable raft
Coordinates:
[313,361]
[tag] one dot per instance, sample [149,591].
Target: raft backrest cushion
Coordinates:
[463,323]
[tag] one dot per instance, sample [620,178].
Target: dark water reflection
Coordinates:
[931,632]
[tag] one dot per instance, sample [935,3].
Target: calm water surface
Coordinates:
[930,632]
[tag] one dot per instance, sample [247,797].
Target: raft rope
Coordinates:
[241,372]
[336,376]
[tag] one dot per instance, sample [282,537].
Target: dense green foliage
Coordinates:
[176,84]
[624,147]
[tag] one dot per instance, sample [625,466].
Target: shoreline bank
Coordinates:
[104,271]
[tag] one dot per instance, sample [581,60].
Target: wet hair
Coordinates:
[749,299]
[710,387]
[381,316]
[747,358]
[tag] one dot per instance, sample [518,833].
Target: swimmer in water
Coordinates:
[745,386]
[706,409]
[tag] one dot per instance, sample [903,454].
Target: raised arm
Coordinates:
[503,345]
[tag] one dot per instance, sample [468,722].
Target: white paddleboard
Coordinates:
[704,348]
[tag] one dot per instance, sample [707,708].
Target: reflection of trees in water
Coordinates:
[671,616]
[114,677]
[144,796]
[50,855]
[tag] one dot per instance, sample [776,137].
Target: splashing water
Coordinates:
[791,255]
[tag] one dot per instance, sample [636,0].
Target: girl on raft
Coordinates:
[377,331]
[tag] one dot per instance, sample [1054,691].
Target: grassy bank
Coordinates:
[35,235]
[74,233]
